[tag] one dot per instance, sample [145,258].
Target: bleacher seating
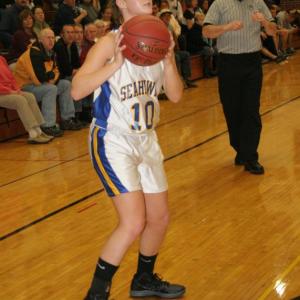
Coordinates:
[10,124]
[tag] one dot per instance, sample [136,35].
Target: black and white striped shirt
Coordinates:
[245,40]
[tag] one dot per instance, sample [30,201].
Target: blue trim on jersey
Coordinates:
[107,167]
[101,105]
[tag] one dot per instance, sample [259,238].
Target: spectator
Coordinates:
[24,36]
[9,21]
[39,20]
[24,103]
[176,9]
[91,9]
[68,61]
[78,37]
[89,37]
[196,11]
[67,56]
[101,29]
[36,72]
[195,43]
[68,14]
[284,21]
[204,6]
[269,49]
[182,57]
[106,15]
[173,21]
[155,9]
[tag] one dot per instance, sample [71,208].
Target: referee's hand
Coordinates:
[234,26]
[258,17]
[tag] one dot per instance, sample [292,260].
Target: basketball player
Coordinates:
[127,156]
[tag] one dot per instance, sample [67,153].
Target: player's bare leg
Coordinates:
[130,208]
[145,283]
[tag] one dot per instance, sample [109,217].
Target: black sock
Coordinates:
[146,264]
[103,275]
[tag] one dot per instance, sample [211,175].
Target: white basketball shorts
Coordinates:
[127,163]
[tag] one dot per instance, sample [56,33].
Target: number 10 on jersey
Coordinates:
[140,111]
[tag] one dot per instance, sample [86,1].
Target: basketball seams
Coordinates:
[141,54]
[147,37]
[147,40]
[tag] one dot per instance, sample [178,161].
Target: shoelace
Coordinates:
[158,282]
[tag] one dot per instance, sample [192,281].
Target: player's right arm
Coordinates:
[96,69]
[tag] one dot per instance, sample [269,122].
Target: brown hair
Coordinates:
[24,14]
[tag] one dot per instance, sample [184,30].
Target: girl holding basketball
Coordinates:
[126,154]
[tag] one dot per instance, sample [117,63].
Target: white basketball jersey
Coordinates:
[127,101]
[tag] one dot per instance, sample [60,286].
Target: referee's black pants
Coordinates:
[240,82]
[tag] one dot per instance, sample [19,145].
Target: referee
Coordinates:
[237,25]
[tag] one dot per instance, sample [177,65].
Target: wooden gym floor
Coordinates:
[233,235]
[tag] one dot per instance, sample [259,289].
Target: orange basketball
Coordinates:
[147,40]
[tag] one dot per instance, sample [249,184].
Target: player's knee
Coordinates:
[160,220]
[135,228]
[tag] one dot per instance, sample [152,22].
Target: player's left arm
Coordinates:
[173,85]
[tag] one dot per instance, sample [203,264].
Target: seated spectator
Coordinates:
[204,6]
[182,57]
[164,4]
[89,37]
[192,6]
[155,9]
[24,37]
[39,20]
[284,21]
[12,97]
[92,10]
[176,9]
[269,49]
[101,29]
[195,43]
[78,37]
[68,14]
[106,15]
[68,61]
[9,22]
[67,56]
[36,72]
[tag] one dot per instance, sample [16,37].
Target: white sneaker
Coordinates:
[46,136]
[38,140]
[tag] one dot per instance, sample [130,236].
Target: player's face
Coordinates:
[137,7]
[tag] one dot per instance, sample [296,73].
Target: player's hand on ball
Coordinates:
[118,57]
